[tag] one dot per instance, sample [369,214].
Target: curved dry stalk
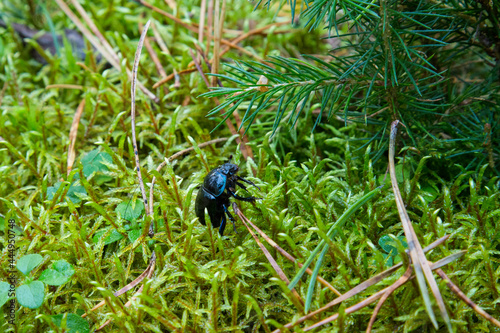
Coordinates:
[374,297]
[268,255]
[360,287]
[148,272]
[101,45]
[73,132]
[402,280]
[466,299]
[421,266]
[133,89]
[290,257]
[150,269]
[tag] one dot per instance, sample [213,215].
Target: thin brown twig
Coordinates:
[217,36]
[163,46]
[372,298]
[402,280]
[242,139]
[149,273]
[269,257]
[291,258]
[422,269]
[203,12]
[73,132]
[210,17]
[167,15]
[133,89]
[360,287]
[453,287]
[110,57]
[129,286]
[200,70]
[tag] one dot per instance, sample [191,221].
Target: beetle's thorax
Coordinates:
[228,169]
[220,178]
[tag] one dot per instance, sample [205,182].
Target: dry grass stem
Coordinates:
[73,132]
[466,299]
[361,287]
[148,272]
[132,112]
[289,256]
[402,280]
[268,255]
[417,255]
[369,300]
[163,46]
[110,56]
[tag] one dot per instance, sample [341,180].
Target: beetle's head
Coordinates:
[229,169]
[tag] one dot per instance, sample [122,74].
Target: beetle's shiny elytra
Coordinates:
[219,185]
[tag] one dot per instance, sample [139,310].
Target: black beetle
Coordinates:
[219,185]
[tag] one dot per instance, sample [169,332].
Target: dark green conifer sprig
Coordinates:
[426,63]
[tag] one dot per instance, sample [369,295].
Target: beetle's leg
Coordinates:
[231,218]
[241,185]
[249,199]
[246,181]
[222,224]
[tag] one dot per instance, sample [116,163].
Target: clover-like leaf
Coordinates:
[111,238]
[93,162]
[134,234]
[389,246]
[26,264]
[59,274]
[4,293]
[74,323]
[31,295]
[74,192]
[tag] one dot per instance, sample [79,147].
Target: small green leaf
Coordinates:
[134,234]
[59,274]
[93,162]
[130,210]
[74,323]
[111,238]
[31,295]
[387,244]
[4,293]
[26,264]
[74,192]
[429,193]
